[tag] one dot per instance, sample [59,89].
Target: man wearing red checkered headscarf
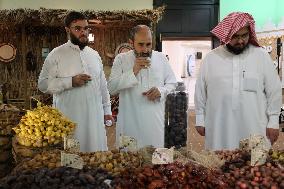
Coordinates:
[238,92]
[233,23]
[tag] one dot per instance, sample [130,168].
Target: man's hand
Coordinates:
[108,117]
[272,134]
[152,94]
[141,63]
[80,80]
[200,130]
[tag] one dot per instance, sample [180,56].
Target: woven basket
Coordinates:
[5,149]
[6,157]
[6,168]
[21,152]
[8,120]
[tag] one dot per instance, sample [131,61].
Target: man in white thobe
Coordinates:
[142,78]
[238,91]
[73,73]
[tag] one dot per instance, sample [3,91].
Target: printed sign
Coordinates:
[258,157]
[127,143]
[71,144]
[259,148]
[244,144]
[258,141]
[163,156]
[71,160]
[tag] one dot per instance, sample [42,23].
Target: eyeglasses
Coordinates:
[80,28]
[242,37]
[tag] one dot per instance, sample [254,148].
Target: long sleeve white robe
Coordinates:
[84,105]
[236,95]
[138,117]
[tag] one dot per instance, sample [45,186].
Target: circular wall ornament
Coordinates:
[7,52]
[124,47]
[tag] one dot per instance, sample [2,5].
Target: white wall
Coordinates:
[78,4]
[177,51]
[173,49]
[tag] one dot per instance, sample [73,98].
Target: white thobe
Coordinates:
[236,95]
[137,116]
[84,105]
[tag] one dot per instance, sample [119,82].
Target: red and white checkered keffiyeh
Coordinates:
[233,23]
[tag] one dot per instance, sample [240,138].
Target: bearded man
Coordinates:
[238,92]
[142,77]
[73,73]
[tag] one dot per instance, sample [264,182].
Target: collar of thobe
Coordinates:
[75,47]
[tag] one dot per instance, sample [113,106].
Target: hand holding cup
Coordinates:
[141,63]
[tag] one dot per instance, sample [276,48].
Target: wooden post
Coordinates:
[25,76]
[154,30]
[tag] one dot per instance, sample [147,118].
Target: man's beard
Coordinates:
[142,54]
[76,41]
[236,50]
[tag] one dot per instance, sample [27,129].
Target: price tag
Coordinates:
[127,143]
[108,183]
[244,144]
[258,157]
[71,144]
[259,147]
[163,156]
[71,160]
[258,141]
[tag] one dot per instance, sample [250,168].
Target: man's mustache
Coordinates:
[142,54]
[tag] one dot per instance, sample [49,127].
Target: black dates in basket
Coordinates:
[61,177]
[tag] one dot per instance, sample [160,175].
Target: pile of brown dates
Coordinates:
[171,176]
[240,174]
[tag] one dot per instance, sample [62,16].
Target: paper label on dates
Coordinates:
[244,144]
[254,142]
[258,157]
[71,160]
[163,156]
[71,144]
[127,143]
[259,147]
[258,142]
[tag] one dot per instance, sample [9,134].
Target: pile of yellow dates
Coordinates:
[43,126]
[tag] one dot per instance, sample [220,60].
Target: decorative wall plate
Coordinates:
[124,47]
[7,52]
